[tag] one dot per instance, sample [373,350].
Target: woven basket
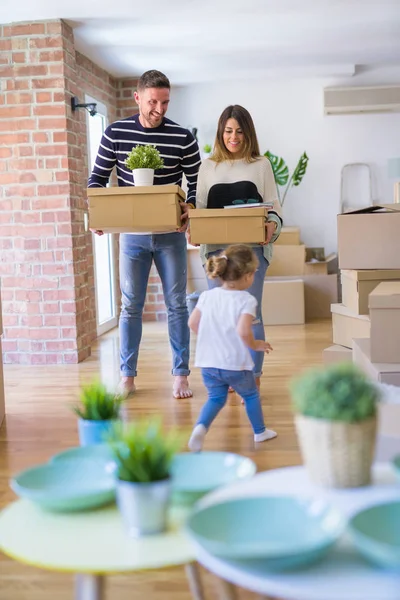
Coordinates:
[337,454]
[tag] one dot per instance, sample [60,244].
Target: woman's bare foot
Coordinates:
[258,384]
[181,388]
[127,386]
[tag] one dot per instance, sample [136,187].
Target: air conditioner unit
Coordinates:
[352,100]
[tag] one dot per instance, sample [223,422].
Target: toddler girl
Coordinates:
[223,320]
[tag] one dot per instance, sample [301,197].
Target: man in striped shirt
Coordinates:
[180,152]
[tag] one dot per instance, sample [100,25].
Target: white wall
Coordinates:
[289,119]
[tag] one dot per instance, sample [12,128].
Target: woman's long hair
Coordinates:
[251,149]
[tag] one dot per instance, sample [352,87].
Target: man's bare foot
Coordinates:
[258,384]
[127,386]
[181,388]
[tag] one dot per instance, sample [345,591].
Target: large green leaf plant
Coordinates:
[281,173]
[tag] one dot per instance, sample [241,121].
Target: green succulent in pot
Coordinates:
[143,452]
[97,412]
[335,417]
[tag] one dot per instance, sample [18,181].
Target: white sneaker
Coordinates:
[196,441]
[268,434]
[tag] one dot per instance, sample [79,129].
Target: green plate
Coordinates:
[376,534]
[197,474]
[66,486]
[282,529]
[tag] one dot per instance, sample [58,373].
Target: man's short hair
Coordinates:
[153,79]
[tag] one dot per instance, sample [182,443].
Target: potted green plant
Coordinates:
[97,413]
[143,453]
[336,424]
[143,161]
[281,173]
[207,149]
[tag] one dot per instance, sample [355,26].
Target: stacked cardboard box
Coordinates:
[379,355]
[369,253]
[293,261]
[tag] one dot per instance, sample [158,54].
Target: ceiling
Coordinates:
[214,40]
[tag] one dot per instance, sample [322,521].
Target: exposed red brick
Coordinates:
[27,29]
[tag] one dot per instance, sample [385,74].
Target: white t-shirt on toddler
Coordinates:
[219,346]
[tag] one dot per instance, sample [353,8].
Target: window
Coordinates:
[103,246]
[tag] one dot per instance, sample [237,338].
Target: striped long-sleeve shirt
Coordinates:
[176,145]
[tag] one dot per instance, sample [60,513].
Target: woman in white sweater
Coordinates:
[237,171]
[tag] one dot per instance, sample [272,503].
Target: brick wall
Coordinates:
[46,263]
[126,104]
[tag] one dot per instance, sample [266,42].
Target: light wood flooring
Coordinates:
[39,423]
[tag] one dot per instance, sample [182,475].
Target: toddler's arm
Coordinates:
[246,334]
[194,320]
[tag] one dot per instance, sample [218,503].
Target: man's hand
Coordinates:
[184,216]
[270,228]
[97,231]
[261,346]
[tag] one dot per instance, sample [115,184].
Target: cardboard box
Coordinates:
[384,312]
[283,302]
[135,209]
[325,267]
[382,372]
[320,292]
[287,261]
[389,420]
[337,354]
[369,238]
[289,236]
[233,226]
[357,285]
[347,326]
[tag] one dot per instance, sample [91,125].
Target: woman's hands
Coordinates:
[270,228]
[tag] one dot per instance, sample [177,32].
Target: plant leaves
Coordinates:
[143,452]
[97,403]
[279,168]
[300,170]
[340,392]
[144,157]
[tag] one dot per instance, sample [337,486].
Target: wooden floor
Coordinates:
[39,423]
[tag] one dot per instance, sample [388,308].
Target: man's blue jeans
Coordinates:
[137,253]
[255,290]
[217,382]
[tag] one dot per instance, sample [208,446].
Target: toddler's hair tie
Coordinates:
[224,256]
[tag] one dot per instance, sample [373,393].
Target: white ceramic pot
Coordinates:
[143,506]
[143,176]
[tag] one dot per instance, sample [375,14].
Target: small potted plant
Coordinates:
[336,424]
[98,411]
[143,454]
[207,149]
[143,161]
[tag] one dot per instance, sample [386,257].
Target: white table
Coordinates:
[342,575]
